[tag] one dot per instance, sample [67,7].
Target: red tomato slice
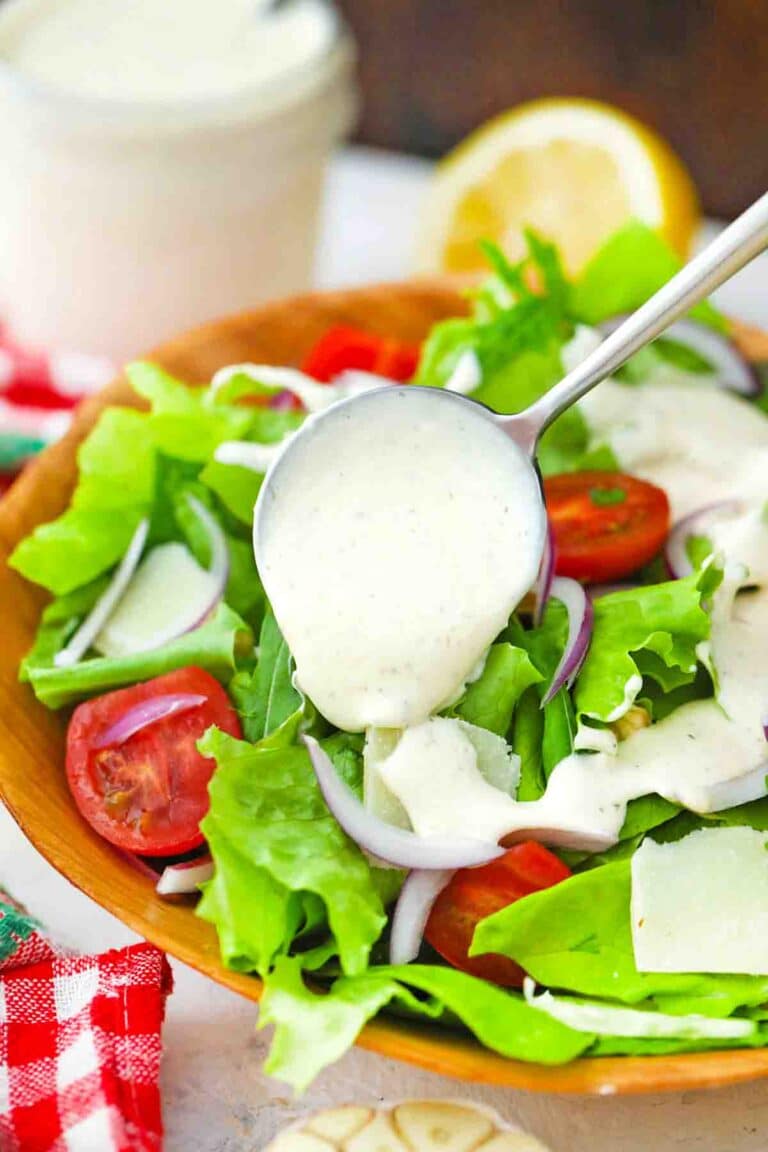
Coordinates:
[475,893]
[606,524]
[345,348]
[149,794]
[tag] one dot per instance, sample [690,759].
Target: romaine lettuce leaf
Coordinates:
[59,621]
[545,645]
[490,701]
[117,478]
[632,264]
[312,1031]
[267,810]
[236,487]
[664,622]
[215,646]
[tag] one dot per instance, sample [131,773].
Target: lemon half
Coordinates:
[574,170]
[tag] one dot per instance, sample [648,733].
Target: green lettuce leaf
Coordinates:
[266,697]
[59,621]
[527,740]
[117,478]
[183,422]
[236,487]
[215,646]
[312,1031]
[662,622]
[577,936]
[545,645]
[490,701]
[632,264]
[517,337]
[249,942]
[267,810]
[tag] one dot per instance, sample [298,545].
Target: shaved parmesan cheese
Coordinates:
[434,773]
[701,904]
[169,594]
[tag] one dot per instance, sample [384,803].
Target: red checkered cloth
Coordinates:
[37,395]
[79,1044]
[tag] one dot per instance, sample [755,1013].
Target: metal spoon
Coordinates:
[744,239]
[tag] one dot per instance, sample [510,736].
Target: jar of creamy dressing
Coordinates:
[161,161]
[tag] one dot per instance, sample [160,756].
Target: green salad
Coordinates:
[612,739]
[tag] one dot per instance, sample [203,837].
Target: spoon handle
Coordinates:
[741,241]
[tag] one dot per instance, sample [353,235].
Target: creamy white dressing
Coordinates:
[403,533]
[707,755]
[445,749]
[701,445]
[400,546]
[698,442]
[159,49]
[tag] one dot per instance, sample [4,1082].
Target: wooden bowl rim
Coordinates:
[167,924]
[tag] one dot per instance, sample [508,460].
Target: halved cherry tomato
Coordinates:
[343,348]
[148,794]
[475,893]
[606,524]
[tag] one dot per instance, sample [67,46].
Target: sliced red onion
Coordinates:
[732,370]
[283,402]
[83,638]
[412,910]
[146,713]
[545,576]
[694,524]
[555,835]
[580,616]
[181,879]
[396,846]
[218,569]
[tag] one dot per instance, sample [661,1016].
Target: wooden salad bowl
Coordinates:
[32,780]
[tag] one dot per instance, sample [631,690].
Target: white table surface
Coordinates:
[216,1098]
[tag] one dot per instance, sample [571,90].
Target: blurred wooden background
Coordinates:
[697,70]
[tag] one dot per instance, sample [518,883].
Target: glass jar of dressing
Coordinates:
[161,161]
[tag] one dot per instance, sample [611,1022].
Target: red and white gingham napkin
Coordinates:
[37,395]
[79,1044]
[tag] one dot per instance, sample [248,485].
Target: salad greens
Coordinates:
[502,1022]
[291,894]
[649,631]
[576,936]
[266,808]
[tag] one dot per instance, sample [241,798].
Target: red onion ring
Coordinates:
[545,576]
[81,641]
[148,712]
[284,401]
[219,565]
[580,617]
[396,846]
[734,372]
[183,879]
[414,904]
[694,524]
